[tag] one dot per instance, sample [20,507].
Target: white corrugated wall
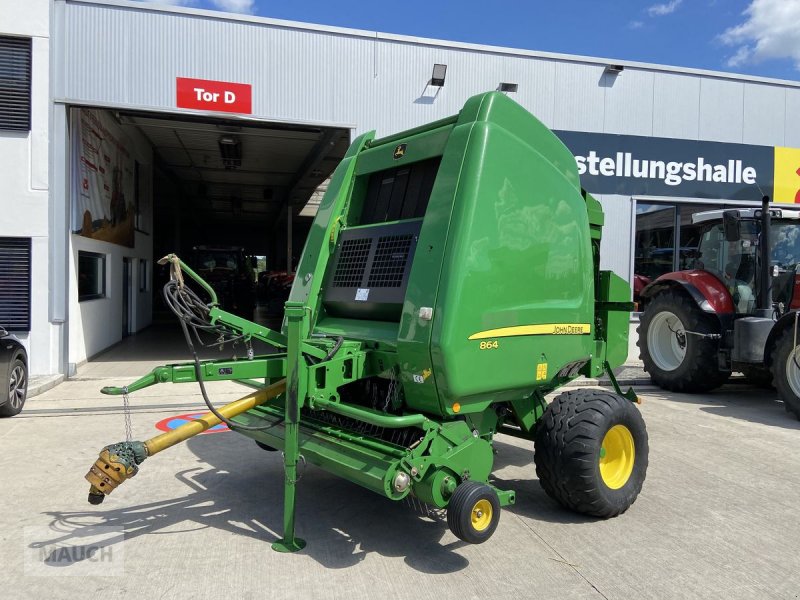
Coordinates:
[378,81]
[125,55]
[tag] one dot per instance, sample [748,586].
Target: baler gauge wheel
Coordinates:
[481,514]
[473,512]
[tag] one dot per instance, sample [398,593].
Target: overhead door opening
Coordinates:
[235,199]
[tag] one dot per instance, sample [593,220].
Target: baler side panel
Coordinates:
[519,254]
[613,313]
[414,336]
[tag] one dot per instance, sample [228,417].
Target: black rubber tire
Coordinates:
[264,446]
[780,356]
[699,371]
[757,376]
[459,511]
[9,409]
[567,451]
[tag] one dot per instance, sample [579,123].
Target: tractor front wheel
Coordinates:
[786,371]
[591,452]
[673,346]
[473,512]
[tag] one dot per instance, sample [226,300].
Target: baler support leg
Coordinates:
[296,378]
[630,394]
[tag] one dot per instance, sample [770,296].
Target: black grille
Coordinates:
[353,257]
[399,193]
[389,263]
[370,271]
[15,283]
[15,83]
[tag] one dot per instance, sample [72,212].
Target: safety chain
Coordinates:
[299,472]
[126,410]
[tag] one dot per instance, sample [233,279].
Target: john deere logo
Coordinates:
[400,151]
[787,175]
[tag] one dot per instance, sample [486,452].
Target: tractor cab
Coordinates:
[736,310]
[729,249]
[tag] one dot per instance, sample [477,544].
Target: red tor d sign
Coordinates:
[218,96]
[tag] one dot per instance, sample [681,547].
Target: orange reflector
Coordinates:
[456,407]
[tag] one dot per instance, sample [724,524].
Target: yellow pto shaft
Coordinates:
[121,461]
[207,421]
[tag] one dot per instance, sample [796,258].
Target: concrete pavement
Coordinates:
[717,517]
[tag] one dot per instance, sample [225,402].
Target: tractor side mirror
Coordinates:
[730,223]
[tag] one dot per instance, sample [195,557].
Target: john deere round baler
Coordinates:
[449,282]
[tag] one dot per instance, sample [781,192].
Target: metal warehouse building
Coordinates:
[134,130]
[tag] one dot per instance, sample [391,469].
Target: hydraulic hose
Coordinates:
[199,374]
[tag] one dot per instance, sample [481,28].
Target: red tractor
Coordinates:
[736,310]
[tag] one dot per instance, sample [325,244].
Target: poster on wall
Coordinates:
[103,206]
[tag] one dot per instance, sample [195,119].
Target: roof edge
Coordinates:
[450,44]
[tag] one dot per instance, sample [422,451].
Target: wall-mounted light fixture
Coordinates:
[231,151]
[614,69]
[439,72]
[507,87]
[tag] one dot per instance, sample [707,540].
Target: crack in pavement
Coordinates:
[561,557]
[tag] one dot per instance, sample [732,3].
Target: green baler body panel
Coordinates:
[506,256]
[517,254]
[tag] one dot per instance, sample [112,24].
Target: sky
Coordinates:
[754,37]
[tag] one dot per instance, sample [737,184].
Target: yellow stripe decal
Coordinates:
[548,329]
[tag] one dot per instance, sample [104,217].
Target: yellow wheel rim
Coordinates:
[481,515]
[617,457]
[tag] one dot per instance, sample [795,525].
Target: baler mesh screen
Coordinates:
[352,262]
[389,262]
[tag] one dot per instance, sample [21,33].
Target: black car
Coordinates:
[13,374]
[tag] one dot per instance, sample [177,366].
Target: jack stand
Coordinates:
[297,323]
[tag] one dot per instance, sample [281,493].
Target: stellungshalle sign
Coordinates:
[637,165]
[217,96]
